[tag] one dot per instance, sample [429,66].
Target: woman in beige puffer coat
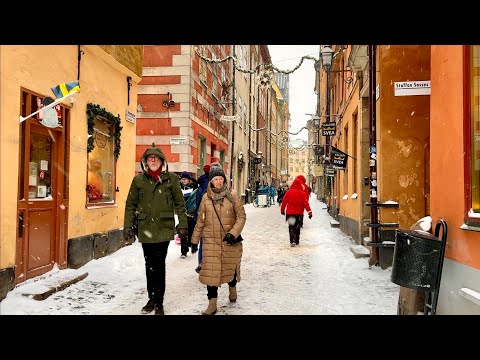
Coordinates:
[221,255]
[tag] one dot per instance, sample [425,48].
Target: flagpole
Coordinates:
[56,102]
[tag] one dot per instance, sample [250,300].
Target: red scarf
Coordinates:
[155,174]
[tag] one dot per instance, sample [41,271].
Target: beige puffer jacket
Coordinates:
[219,260]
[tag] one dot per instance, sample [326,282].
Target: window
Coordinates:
[202,150]
[214,77]
[473,142]
[203,72]
[345,172]
[222,157]
[101,163]
[354,152]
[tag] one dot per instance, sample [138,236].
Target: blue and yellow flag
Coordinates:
[62,90]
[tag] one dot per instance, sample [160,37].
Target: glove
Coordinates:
[283,213]
[182,233]
[128,233]
[309,215]
[229,238]
[194,248]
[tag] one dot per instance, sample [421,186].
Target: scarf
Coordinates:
[219,194]
[155,174]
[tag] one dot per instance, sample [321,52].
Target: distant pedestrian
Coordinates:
[221,218]
[293,205]
[153,200]
[187,184]
[203,181]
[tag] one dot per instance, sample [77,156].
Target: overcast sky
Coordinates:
[302,82]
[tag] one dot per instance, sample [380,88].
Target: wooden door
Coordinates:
[41,212]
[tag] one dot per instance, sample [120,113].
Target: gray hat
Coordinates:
[216,170]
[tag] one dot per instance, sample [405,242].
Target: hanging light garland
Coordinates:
[266,66]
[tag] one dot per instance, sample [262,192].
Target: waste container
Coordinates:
[416,260]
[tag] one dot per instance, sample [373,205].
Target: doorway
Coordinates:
[42,193]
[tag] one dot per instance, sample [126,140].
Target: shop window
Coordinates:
[101,164]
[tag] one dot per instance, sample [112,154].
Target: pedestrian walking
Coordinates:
[188,185]
[203,181]
[294,203]
[221,218]
[306,189]
[153,200]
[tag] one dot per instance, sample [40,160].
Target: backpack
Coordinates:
[191,203]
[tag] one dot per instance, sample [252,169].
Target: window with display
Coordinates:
[101,162]
[103,148]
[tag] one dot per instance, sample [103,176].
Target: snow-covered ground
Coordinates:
[320,276]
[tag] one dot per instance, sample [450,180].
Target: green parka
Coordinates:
[154,203]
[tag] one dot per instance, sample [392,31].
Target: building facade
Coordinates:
[65,171]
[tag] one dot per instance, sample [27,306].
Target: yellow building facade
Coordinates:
[53,211]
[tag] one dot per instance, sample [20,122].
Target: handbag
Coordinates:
[238,239]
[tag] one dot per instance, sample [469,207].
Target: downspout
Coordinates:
[267,144]
[249,175]
[233,123]
[372,68]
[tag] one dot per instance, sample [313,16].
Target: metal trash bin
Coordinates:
[416,259]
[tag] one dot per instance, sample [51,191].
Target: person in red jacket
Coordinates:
[306,189]
[294,203]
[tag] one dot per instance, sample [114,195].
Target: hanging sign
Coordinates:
[328,128]
[339,159]
[329,171]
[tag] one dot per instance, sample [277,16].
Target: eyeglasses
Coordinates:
[153,158]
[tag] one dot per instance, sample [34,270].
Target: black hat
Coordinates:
[216,170]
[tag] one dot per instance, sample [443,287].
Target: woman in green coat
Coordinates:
[153,200]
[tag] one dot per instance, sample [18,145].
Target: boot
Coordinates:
[232,293]
[212,307]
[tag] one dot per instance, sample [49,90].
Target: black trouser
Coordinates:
[294,230]
[155,255]
[185,242]
[300,220]
[212,291]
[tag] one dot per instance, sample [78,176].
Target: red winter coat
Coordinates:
[295,200]
[303,181]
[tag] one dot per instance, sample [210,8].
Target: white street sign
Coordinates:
[407,88]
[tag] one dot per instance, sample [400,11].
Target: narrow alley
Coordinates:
[320,276]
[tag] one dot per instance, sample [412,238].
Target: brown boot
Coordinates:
[232,293]
[212,307]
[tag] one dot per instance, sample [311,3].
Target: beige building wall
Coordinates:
[103,81]
[240,145]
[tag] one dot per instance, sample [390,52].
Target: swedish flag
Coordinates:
[62,90]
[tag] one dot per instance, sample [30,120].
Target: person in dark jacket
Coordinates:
[203,181]
[187,184]
[153,200]
[294,203]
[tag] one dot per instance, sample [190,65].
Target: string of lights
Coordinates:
[266,66]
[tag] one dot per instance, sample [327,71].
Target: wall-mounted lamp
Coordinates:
[129,85]
[326,57]
[168,103]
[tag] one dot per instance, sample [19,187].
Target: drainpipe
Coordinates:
[249,175]
[233,124]
[372,68]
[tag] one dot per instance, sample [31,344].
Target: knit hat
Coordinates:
[216,170]
[185,175]
[206,169]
